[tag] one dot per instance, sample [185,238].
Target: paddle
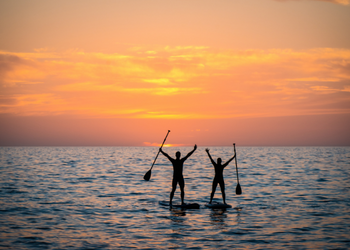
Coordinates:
[238,188]
[147,176]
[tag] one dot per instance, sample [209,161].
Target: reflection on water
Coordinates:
[176,215]
[217,217]
[96,198]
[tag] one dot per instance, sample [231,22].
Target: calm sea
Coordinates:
[96,198]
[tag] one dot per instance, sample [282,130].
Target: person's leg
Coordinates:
[215,183]
[182,188]
[172,191]
[222,186]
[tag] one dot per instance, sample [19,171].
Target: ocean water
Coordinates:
[96,198]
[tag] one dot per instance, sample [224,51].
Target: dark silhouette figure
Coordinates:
[218,178]
[177,173]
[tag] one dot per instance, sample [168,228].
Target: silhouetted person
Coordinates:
[177,173]
[218,178]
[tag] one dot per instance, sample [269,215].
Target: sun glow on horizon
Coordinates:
[149,144]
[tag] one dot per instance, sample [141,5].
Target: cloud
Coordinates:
[177,83]
[342,2]
[162,81]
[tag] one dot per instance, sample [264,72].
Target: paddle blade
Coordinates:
[147,176]
[238,189]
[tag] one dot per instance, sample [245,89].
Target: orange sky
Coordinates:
[259,72]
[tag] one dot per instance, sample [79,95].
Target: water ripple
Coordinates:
[95,198]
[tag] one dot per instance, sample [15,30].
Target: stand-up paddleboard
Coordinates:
[217,205]
[185,206]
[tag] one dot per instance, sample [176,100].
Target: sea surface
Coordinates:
[96,198]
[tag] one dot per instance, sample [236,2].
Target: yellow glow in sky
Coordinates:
[207,84]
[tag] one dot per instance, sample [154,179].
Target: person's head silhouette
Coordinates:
[219,161]
[178,155]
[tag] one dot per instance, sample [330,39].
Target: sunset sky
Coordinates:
[122,73]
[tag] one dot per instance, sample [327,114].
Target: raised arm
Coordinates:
[165,154]
[211,159]
[229,161]
[190,153]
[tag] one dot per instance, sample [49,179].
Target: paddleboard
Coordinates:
[185,206]
[218,205]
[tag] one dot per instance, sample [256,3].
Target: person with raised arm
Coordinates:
[219,177]
[178,163]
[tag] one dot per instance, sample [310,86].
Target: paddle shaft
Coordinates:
[234,146]
[159,150]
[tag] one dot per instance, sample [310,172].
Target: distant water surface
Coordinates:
[96,198]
